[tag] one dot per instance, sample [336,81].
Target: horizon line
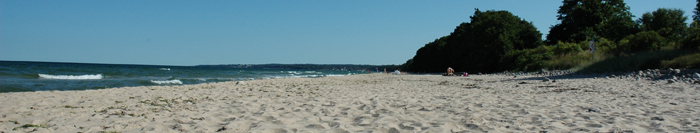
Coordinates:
[183,65]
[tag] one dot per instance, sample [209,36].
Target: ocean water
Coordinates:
[17,76]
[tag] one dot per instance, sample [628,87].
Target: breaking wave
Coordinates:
[175,81]
[48,76]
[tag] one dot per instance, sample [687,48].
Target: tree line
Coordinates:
[496,41]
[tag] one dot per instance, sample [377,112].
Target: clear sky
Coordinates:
[188,32]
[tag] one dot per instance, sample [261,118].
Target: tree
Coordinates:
[668,23]
[581,19]
[495,33]
[477,45]
[693,39]
[430,58]
[696,17]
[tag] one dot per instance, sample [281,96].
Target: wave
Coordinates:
[174,81]
[294,72]
[48,76]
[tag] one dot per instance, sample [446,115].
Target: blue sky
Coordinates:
[182,32]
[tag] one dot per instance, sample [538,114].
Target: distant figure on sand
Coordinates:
[450,71]
[385,71]
[397,71]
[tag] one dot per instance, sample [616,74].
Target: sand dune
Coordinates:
[365,103]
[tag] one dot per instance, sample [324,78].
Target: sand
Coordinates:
[365,103]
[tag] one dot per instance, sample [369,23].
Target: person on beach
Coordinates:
[385,71]
[450,71]
[397,71]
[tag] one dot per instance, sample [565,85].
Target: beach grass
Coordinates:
[603,62]
[690,61]
[575,61]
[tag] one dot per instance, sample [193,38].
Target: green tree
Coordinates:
[581,19]
[696,17]
[430,58]
[668,23]
[477,45]
[495,33]
[693,38]
[692,41]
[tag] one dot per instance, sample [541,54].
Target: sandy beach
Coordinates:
[366,103]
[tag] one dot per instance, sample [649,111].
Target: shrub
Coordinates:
[526,59]
[566,48]
[642,41]
[604,46]
[686,61]
[633,62]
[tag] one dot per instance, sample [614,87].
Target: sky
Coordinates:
[188,32]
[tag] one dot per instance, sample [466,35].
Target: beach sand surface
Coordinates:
[365,103]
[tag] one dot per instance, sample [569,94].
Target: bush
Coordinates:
[574,60]
[687,61]
[604,46]
[559,56]
[642,41]
[566,48]
[526,59]
[577,55]
[633,62]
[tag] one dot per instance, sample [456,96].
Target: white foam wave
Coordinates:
[48,76]
[334,75]
[174,81]
[294,72]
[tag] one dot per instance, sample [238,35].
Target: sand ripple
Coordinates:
[365,103]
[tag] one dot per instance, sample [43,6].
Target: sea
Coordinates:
[22,76]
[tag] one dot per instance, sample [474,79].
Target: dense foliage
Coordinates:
[668,23]
[582,19]
[696,17]
[642,41]
[477,45]
[495,41]
[692,41]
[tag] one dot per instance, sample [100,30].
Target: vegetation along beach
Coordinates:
[599,68]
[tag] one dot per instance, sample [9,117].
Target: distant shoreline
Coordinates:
[258,66]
